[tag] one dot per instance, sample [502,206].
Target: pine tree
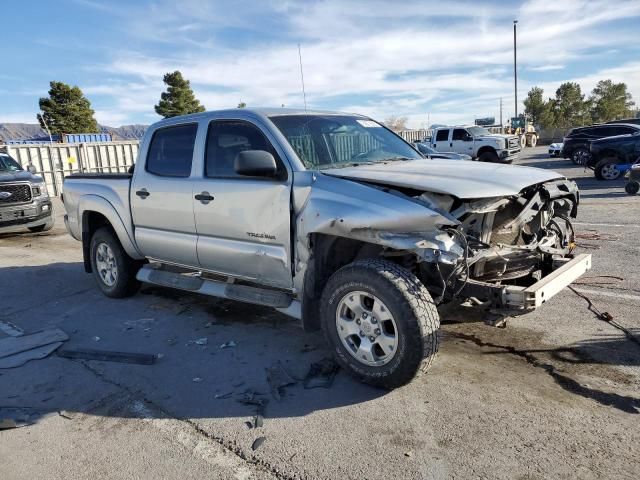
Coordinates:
[67,110]
[610,101]
[179,98]
[534,105]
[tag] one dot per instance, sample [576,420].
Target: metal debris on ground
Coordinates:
[109,356]
[257,443]
[228,344]
[606,317]
[278,378]
[18,350]
[321,374]
[221,396]
[258,421]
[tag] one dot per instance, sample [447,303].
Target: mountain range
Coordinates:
[19,131]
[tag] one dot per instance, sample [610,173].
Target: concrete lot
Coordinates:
[554,395]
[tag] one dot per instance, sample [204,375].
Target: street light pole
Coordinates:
[515,70]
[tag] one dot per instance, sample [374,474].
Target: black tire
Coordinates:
[604,169]
[413,311]
[580,156]
[489,157]
[125,283]
[632,187]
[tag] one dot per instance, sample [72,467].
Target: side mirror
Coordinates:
[31,169]
[468,138]
[255,163]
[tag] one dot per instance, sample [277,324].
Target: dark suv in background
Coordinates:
[576,143]
[608,153]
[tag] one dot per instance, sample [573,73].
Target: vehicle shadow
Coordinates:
[216,358]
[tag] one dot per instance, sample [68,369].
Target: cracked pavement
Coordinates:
[555,394]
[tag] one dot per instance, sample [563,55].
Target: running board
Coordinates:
[214,288]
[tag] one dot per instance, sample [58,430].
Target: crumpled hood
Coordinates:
[462,179]
[19,176]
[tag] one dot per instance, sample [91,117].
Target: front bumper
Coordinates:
[508,156]
[25,216]
[516,299]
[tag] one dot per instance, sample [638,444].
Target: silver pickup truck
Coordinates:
[330,218]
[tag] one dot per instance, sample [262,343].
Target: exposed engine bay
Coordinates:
[504,241]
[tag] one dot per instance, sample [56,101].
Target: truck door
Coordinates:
[162,197]
[462,141]
[243,223]
[441,141]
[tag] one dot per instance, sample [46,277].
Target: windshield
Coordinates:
[329,141]
[8,164]
[426,149]
[478,131]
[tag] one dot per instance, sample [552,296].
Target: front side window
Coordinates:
[171,151]
[226,139]
[459,134]
[8,164]
[442,136]
[329,141]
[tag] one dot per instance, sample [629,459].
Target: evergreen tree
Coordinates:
[242,105]
[569,106]
[534,105]
[610,101]
[67,110]
[179,98]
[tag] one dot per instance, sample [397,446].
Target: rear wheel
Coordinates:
[606,169]
[580,156]
[532,140]
[114,270]
[380,322]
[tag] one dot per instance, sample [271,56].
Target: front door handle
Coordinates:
[143,193]
[204,197]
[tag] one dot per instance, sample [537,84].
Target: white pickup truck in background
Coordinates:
[478,142]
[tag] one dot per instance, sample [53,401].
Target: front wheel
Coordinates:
[114,270]
[380,322]
[489,157]
[606,169]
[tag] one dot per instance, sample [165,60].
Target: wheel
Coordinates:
[606,169]
[632,187]
[580,156]
[532,141]
[489,157]
[523,141]
[114,270]
[380,322]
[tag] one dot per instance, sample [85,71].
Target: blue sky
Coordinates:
[431,61]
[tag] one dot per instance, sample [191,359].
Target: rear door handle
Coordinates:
[204,197]
[143,193]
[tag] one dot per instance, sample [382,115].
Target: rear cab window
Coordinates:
[442,135]
[171,151]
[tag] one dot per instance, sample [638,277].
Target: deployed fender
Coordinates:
[98,204]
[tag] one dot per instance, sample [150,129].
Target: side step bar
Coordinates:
[243,293]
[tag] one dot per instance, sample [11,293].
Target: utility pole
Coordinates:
[515,69]
[501,124]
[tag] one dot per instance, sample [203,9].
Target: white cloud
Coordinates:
[450,59]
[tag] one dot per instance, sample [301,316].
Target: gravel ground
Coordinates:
[553,395]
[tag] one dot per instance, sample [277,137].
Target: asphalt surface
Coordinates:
[556,394]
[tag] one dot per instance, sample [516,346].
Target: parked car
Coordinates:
[24,200]
[608,154]
[576,143]
[330,218]
[425,149]
[477,142]
[555,149]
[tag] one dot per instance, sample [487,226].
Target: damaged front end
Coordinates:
[517,251]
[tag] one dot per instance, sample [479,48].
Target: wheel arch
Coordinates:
[486,149]
[98,212]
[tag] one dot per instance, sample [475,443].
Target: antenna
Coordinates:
[304,95]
